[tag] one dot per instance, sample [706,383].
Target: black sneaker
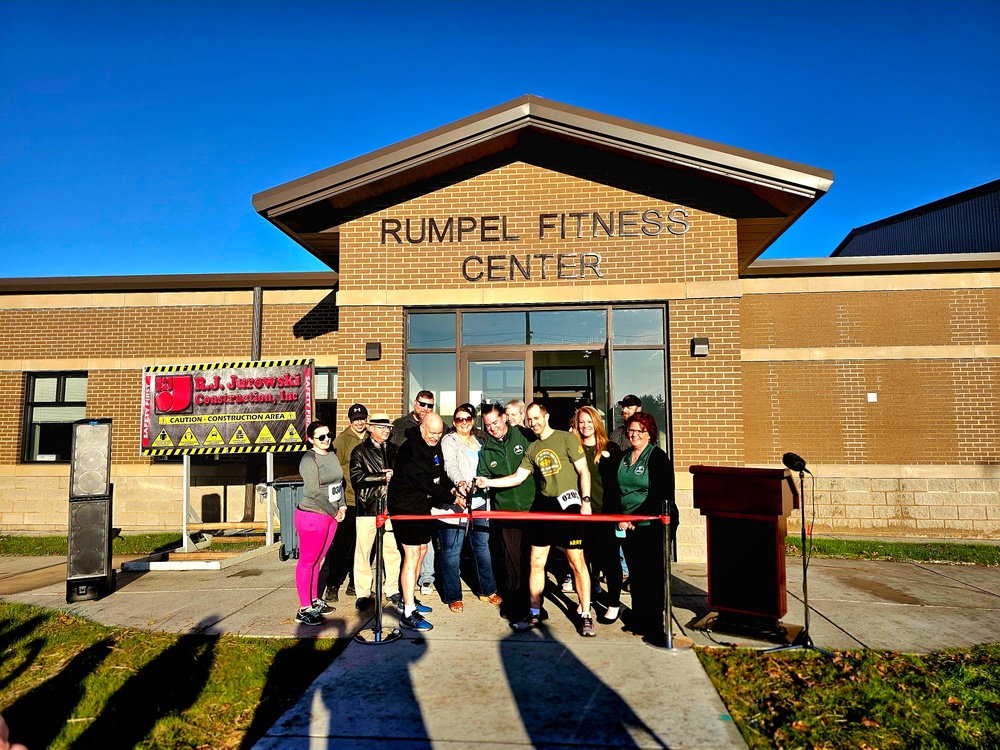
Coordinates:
[350,589]
[421,608]
[587,628]
[394,598]
[365,602]
[332,594]
[527,622]
[321,607]
[309,617]
[415,621]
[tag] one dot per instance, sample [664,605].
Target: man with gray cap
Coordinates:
[629,405]
[337,565]
[370,472]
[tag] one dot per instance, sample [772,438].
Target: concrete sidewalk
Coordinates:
[473,682]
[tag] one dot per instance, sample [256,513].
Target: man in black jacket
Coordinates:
[419,482]
[371,467]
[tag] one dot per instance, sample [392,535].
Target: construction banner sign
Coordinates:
[227,407]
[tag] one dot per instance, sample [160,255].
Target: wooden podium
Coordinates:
[746,512]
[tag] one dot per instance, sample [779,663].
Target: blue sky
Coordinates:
[133,134]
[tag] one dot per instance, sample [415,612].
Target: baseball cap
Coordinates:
[631,400]
[357,411]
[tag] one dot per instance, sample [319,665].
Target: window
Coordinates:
[325,386]
[53,401]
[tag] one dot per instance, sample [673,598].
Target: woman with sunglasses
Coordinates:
[645,478]
[461,448]
[601,548]
[322,507]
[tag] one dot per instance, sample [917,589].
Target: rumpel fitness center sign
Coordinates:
[560,226]
[234,407]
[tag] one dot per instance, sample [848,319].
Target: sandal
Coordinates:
[493,598]
[456,607]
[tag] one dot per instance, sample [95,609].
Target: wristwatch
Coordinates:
[586,498]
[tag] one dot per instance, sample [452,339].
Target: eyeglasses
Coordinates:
[322,437]
[380,426]
[463,420]
[425,405]
[636,432]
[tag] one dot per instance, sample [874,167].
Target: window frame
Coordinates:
[30,381]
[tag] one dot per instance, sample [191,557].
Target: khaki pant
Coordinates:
[364,574]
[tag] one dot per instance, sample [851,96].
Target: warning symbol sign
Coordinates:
[188,439]
[291,435]
[265,436]
[214,438]
[239,437]
[163,440]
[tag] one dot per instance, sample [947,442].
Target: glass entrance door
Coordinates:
[493,378]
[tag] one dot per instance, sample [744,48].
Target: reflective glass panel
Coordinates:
[434,373]
[495,382]
[641,372]
[494,328]
[432,330]
[76,389]
[637,327]
[568,327]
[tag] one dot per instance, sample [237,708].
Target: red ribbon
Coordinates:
[510,515]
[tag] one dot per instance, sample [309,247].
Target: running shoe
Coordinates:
[567,584]
[587,628]
[426,589]
[528,622]
[309,617]
[415,621]
[321,607]
[421,608]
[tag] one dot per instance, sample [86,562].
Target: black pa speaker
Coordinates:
[90,459]
[89,571]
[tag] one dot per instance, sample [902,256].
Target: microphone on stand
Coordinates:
[795,462]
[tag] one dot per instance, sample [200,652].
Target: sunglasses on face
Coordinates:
[463,420]
[322,437]
[425,405]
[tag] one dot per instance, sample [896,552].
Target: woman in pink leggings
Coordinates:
[322,507]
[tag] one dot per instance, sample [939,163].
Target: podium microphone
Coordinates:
[795,462]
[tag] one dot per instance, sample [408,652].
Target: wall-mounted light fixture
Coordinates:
[373,351]
[699,347]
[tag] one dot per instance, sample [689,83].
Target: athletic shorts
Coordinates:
[564,534]
[413,533]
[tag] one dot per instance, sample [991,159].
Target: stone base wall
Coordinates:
[959,507]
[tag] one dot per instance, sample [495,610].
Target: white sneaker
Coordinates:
[426,589]
[567,584]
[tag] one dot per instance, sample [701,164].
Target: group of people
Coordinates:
[426,477]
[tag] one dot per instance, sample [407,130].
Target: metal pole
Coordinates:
[187,501]
[270,494]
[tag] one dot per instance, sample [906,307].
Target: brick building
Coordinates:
[536,250]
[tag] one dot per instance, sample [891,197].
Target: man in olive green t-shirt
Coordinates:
[564,484]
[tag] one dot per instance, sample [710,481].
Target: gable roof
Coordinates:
[765,195]
[967,222]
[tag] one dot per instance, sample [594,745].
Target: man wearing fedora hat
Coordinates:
[337,565]
[371,471]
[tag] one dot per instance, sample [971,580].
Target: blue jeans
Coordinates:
[426,573]
[450,541]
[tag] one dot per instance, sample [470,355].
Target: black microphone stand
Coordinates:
[803,640]
[378,634]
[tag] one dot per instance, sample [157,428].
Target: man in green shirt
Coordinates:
[564,488]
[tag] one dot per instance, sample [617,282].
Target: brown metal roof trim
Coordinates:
[751,185]
[222,282]
[892,264]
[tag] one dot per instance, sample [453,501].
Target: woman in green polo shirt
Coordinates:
[645,488]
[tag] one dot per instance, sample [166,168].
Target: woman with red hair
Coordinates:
[645,478]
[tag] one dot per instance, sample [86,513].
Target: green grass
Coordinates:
[126,544]
[868,549]
[67,682]
[861,699]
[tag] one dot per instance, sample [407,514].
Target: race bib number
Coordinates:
[336,493]
[569,498]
